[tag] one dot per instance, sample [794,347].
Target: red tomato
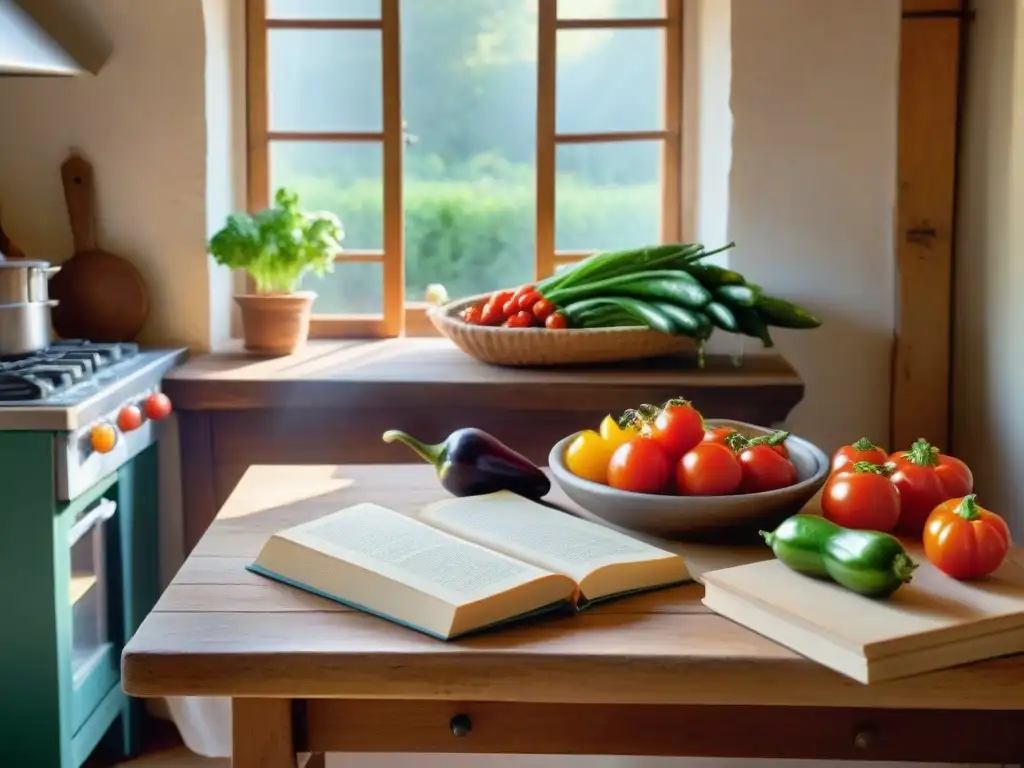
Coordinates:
[129,418]
[522,319]
[500,298]
[519,292]
[708,469]
[920,484]
[157,406]
[861,450]
[764,470]
[555,322]
[641,466]
[956,477]
[717,434]
[678,427]
[964,540]
[472,315]
[862,498]
[509,308]
[492,314]
[528,299]
[543,309]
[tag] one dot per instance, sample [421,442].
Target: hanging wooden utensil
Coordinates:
[101,295]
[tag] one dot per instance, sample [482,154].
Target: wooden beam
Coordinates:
[929,93]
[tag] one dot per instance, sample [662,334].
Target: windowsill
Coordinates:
[426,372]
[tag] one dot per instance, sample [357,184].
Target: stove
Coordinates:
[40,376]
[80,390]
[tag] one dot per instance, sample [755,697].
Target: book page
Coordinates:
[537,534]
[409,552]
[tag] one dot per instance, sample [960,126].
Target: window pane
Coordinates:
[608,196]
[469,97]
[325,79]
[353,288]
[609,80]
[609,9]
[345,179]
[323,9]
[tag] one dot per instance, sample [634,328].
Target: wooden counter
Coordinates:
[329,403]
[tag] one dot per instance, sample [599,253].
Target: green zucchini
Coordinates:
[783,314]
[674,286]
[737,295]
[692,323]
[602,266]
[869,563]
[643,312]
[751,324]
[711,276]
[722,317]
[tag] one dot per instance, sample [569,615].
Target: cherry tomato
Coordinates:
[678,427]
[861,450]
[509,308]
[641,466]
[542,309]
[521,319]
[103,438]
[472,315]
[157,406]
[500,298]
[921,489]
[965,540]
[556,322]
[520,291]
[492,314]
[861,496]
[717,434]
[129,418]
[587,456]
[615,435]
[528,299]
[708,469]
[764,470]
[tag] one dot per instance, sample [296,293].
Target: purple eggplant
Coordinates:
[470,462]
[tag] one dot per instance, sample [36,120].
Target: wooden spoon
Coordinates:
[102,296]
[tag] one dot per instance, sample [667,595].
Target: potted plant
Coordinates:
[277,246]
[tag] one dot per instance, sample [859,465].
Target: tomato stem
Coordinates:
[922,453]
[968,508]
[775,438]
[736,441]
[635,418]
[676,401]
[863,445]
[885,470]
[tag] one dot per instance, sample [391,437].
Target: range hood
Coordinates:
[49,38]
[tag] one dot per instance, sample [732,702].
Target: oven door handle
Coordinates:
[98,514]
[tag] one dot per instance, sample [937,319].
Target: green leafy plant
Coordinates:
[278,245]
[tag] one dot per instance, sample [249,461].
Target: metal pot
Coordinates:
[23,281]
[25,328]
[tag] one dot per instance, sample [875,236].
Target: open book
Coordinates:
[463,564]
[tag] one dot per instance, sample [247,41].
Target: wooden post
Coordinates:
[929,96]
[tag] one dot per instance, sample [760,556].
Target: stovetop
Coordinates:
[37,378]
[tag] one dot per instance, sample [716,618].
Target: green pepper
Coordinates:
[869,563]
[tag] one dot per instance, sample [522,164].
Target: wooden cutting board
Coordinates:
[932,623]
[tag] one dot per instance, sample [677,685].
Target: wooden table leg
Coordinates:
[261,734]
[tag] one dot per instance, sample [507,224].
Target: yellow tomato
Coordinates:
[614,435]
[587,456]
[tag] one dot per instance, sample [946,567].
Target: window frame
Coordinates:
[410,318]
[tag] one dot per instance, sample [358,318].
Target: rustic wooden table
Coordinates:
[655,674]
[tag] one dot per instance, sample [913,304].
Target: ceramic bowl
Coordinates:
[679,516]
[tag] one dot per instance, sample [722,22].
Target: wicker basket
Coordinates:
[539,346]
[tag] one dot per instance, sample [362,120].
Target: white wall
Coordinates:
[988,418]
[141,123]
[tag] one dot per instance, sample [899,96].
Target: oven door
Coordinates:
[93,594]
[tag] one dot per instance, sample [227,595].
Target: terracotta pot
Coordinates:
[275,324]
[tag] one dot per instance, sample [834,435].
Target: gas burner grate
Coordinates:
[58,367]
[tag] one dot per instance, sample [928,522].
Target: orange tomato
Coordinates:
[103,438]
[964,540]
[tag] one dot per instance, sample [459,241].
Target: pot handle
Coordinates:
[52,303]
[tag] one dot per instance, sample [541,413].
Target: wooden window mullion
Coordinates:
[547,61]
[394,141]
[672,146]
